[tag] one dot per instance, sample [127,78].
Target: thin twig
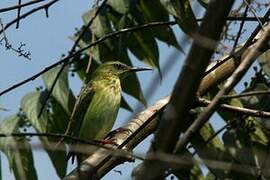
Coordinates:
[20,51]
[251,93]
[81,147]
[239,110]
[253,12]
[18,13]
[53,135]
[236,18]
[20,6]
[45,6]
[66,59]
[240,30]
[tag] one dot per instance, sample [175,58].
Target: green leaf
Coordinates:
[163,33]
[61,91]
[20,159]
[183,14]
[120,6]
[141,43]
[46,123]
[144,47]
[264,61]
[238,143]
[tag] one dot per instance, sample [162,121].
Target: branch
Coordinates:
[53,135]
[82,146]
[67,59]
[251,93]
[239,110]
[235,18]
[20,6]
[240,29]
[18,14]
[45,6]
[260,46]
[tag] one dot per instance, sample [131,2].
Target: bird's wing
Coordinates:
[80,109]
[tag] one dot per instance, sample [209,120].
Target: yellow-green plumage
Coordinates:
[96,108]
[103,109]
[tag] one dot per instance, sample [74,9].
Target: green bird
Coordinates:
[97,106]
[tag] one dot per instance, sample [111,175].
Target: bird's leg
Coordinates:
[108,141]
[118,130]
[109,138]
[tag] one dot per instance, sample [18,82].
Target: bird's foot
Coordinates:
[118,130]
[108,141]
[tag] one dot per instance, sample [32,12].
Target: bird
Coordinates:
[97,106]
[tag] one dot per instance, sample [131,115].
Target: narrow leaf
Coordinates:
[31,105]
[20,159]
[183,14]
[61,91]
[264,61]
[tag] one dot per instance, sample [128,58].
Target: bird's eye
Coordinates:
[120,66]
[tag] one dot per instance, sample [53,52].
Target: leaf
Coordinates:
[264,61]
[141,43]
[183,14]
[238,143]
[163,33]
[20,159]
[144,47]
[31,105]
[120,6]
[61,91]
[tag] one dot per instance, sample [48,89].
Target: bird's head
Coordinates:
[116,68]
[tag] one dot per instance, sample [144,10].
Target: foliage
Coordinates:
[243,142]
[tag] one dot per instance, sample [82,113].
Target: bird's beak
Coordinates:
[135,69]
